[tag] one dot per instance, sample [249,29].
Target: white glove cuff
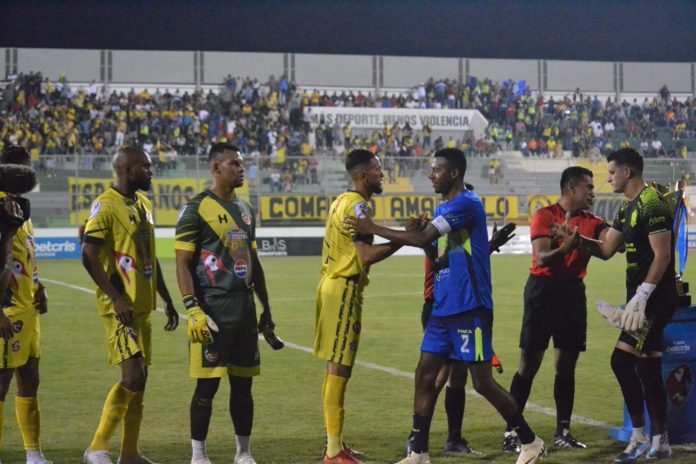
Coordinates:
[645,290]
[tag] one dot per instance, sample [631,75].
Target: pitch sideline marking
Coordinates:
[387,370]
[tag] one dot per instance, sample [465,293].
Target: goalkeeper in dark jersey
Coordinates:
[644,226]
[218,271]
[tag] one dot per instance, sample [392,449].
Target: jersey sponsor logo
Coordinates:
[240,268]
[96,206]
[212,264]
[657,220]
[126,264]
[246,219]
[237,234]
[17,326]
[16,346]
[356,328]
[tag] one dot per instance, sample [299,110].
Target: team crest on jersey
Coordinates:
[16,346]
[353,346]
[17,326]
[96,206]
[212,264]
[240,268]
[126,264]
[362,210]
[246,218]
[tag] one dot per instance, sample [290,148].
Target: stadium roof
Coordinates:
[601,30]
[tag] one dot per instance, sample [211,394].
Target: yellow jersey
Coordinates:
[24,279]
[339,255]
[125,229]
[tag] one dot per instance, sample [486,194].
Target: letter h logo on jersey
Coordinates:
[222,218]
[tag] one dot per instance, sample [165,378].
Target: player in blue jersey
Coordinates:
[461,325]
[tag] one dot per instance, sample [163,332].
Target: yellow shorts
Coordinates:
[25,342]
[127,342]
[338,318]
[197,369]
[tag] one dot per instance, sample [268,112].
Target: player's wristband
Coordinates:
[190,301]
[645,290]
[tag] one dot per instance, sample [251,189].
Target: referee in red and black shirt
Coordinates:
[554,300]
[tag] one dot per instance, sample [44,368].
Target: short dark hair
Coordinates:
[573,175]
[357,158]
[220,148]
[455,158]
[14,154]
[627,157]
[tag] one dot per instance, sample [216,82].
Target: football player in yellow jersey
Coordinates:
[218,271]
[22,298]
[119,254]
[346,260]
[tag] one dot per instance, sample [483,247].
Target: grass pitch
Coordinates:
[288,425]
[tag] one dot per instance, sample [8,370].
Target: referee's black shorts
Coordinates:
[554,309]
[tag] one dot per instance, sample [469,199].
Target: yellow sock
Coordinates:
[333,412]
[29,421]
[114,410]
[323,386]
[131,426]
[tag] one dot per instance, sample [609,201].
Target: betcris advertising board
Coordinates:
[53,243]
[57,247]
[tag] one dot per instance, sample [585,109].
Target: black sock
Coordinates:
[241,406]
[201,410]
[520,388]
[564,394]
[421,433]
[455,402]
[624,366]
[650,373]
[202,407]
[520,426]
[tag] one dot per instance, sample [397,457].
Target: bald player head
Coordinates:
[133,170]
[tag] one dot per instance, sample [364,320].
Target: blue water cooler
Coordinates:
[678,373]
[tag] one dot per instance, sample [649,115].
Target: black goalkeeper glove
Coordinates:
[501,237]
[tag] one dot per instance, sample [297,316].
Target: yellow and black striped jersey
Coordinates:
[339,255]
[125,229]
[221,234]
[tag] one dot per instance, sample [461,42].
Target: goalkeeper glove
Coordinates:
[610,313]
[198,324]
[267,328]
[633,317]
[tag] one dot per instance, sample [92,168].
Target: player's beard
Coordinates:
[145,184]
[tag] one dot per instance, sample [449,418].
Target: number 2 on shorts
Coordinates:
[465,343]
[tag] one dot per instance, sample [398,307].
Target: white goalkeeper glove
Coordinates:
[610,313]
[633,317]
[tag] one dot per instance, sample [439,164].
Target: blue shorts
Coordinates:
[466,336]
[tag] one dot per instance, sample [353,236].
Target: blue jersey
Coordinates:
[463,266]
